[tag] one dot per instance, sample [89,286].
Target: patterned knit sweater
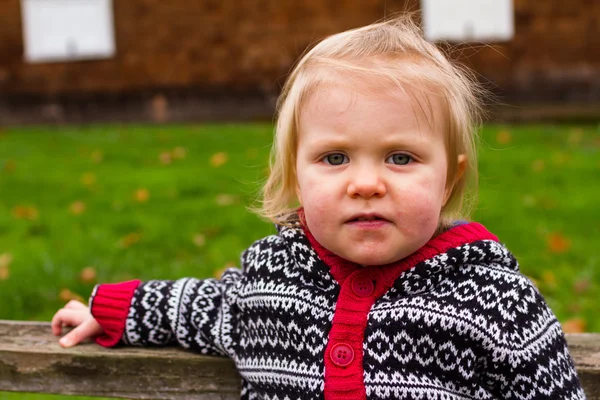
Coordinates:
[455,320]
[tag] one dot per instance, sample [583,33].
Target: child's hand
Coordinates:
[78,315]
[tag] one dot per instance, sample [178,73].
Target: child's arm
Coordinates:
[197,314]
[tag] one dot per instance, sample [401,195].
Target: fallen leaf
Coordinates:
[9,165]
[575,136]
[574,308]
[29,213]
[66,295]
[549,278]
[557,243]
[5,259]
[581,286]
[165,158]
[199,240]
[212,231]
[574,325]
[503,137]
[88,179]
[97,156]
[538,166]
[560,158]
[88,275]
[141,195]
[225,199]
[179,153]
[77,207]
[218,159]
[130,239]
[548,203]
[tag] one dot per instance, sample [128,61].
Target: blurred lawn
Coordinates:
[110,203]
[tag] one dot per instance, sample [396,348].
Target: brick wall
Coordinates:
[221,48]
[554,56]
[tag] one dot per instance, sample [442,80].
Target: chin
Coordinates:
[371,259]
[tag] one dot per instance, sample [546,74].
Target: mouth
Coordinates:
[367,218]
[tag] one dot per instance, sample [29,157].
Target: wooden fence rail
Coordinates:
[32,361]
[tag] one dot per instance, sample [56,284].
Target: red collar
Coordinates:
[454,237]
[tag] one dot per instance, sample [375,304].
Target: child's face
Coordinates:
[371,173]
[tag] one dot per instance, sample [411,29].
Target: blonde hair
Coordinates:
[394,51]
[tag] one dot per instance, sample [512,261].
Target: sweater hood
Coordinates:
[465,244]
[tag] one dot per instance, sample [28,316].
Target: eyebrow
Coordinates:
[339,141]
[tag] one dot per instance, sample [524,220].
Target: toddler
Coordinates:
[371,289]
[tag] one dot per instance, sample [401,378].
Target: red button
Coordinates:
[362,286]
[341,354]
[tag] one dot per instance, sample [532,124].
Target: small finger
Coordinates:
[87,329]
[67,317]
[56,322]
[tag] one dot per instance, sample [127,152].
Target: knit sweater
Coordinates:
[455,320]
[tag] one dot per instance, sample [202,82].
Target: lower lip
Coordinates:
[370,225]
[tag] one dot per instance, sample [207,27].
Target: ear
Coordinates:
[461,167]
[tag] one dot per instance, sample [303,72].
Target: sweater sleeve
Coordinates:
[196,314]
[109,304]
[534,363]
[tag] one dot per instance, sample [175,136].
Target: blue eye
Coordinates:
[335,159]
[399,159]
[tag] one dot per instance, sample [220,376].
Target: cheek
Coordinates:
[425,193]
[421,217]
[422,210]
[315,201]
[316,216]
[422,201]
[310,188]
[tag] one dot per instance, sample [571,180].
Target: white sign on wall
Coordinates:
[63,30]
[468,20]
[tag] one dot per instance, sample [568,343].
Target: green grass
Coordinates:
[52,170]
[537,193]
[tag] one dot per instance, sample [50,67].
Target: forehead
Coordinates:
[372,102]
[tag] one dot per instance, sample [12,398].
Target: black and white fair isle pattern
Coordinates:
[462,325]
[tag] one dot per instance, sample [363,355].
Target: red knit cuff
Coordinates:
[109,304]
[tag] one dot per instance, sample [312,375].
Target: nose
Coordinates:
[366,182]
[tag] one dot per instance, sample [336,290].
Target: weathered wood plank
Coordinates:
[32,361]
[585,349]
